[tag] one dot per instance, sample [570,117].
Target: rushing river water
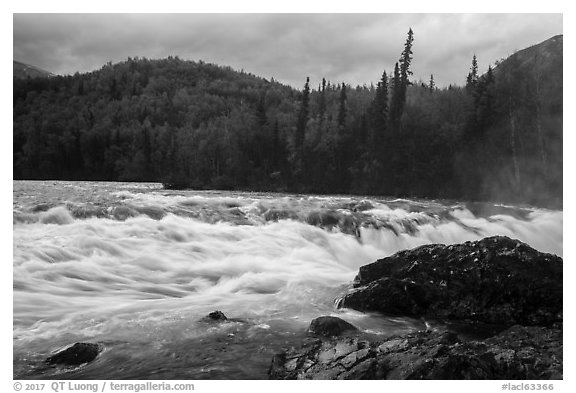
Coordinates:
[135,267]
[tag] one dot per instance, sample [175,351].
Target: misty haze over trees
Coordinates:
[200,125]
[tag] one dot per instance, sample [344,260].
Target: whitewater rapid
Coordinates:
[135,267]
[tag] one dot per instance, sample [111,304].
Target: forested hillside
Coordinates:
[200,125]
[23,71]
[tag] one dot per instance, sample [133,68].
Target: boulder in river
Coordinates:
[215,316]
[328,326]
[75,355]
[495,280]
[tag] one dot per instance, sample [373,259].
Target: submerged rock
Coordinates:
[329,326]
[154,212]
[275,214]
[517,353]
[361,206]
[215,316]
[42,207]
[122,213]
[88,211]
[496,280]
[75,355]
[323,218]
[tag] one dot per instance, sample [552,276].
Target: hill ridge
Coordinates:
[23,70]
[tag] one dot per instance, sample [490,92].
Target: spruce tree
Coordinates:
[432,84]
[472,77]
[484,104]
[380,112]
[402,74]
[302,118]
[342,109]
[406,60]
[395,107]
[322,100]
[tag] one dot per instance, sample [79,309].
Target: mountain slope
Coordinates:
[23,71]
[543,56]
[541,66]
[528,126]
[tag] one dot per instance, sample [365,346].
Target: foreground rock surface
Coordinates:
[75,355]
[518,353]
[495,280]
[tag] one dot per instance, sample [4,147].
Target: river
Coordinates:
[134,267]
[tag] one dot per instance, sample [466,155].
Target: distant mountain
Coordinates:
[23,71]
[542,56]
[542,66]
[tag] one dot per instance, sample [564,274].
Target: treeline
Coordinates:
[192,124]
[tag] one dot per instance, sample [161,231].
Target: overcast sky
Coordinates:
[351,48]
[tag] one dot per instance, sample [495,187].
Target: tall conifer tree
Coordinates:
[402,74]
[302,118]
[472,77]
[380,112]
[342,109]
[432,84]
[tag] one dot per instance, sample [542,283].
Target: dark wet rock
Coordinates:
[517,353]
[351,225]
[323,218]
[215,316]
[231,204]
[356,206]
[75,355]
[236,211]
[362,206]
[189,203]
[42,207]
[474,330]
[153,212]
[122,213]
[275,214]
[480,288]
[348,223]
[88,211]
[399,226]
[496,280]
[329,326]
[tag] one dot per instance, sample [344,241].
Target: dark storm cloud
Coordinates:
[354,48]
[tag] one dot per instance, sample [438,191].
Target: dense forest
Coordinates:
[198,125]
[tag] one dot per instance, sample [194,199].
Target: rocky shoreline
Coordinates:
[520,352]
[498,282]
